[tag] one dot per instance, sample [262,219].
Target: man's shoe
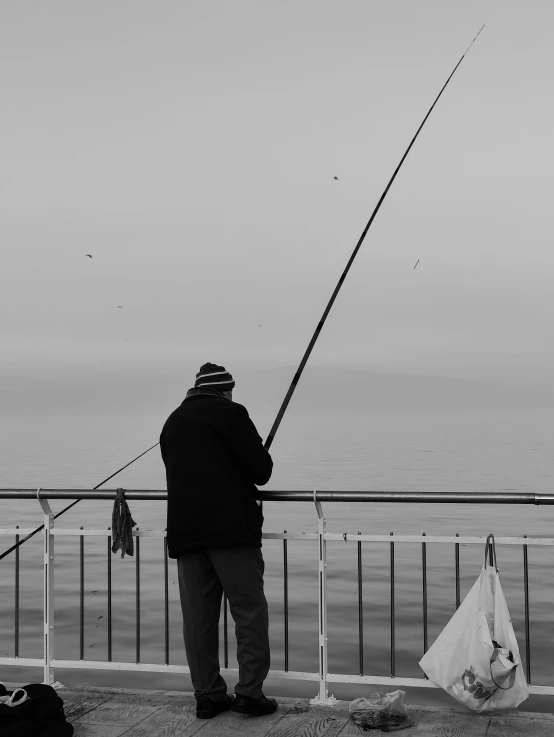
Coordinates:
[254,707]
[206,708]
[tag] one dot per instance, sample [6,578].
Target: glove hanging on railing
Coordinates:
[122,525]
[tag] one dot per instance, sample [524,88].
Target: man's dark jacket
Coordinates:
[213,457]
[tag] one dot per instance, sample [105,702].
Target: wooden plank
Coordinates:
[174,719]
[76,706]
[121,712]
[98,730]
[230,724]
[450,723]
[530,726]
[351,729]
[314,721]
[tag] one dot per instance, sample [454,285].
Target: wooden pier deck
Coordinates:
[110,712]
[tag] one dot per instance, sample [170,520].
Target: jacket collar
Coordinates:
[201,392]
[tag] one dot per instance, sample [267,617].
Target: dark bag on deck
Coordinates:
[35,710]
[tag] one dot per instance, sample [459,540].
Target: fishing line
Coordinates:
[319,327]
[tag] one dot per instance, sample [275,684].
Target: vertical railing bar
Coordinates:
[286,600]
[17,595]
[360,608]
[323,695]
[137,592]
[392,622]
[48,569]
[457,563]
[109,595]
[166,594]
[225,635]
[527,628]
[424,582]
[82,595]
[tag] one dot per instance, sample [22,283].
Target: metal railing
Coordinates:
[49,661]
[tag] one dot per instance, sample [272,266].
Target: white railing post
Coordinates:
[48,568]
[323,698]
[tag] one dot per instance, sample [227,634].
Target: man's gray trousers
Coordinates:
[203,577]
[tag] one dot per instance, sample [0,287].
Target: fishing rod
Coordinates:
[319,327]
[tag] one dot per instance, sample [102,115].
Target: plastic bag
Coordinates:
[476,657]
[380,711]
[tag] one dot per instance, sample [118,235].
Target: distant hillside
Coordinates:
[328,389]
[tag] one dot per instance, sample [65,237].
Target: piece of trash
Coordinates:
[381,711]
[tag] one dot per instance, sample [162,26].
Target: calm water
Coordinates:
[434,451]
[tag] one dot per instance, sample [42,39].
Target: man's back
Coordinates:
[213,457]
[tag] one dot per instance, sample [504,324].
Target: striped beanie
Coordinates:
[214,377]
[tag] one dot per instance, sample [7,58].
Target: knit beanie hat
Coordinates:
[214,377]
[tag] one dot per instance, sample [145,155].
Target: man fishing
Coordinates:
[213,457]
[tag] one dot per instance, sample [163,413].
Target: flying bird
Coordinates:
[88,254]
[119,307]
[336,178]
[416,263]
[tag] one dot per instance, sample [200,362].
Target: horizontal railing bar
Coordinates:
[266,495]
[17,531]
[162,668]
[61,531]
[31,662]
[469,540]
[290,535]
[98,532]
[108,494]
[418,682]
[329,536]
[541,690]
[380,680]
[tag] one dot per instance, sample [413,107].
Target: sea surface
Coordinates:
[426,451]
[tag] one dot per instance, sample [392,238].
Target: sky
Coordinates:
[191,149]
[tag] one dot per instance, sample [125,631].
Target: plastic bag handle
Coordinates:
[17,698]
[511,677]
[491,550]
